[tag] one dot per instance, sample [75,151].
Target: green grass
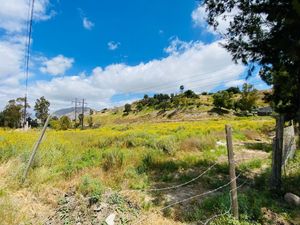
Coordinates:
[138,156]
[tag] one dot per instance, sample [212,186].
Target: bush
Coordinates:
[198,143]
[64,123]
[112,160]
[91,187]
[223,99]
[167,144]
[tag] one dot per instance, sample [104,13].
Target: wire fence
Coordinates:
[198,196]
[175,186]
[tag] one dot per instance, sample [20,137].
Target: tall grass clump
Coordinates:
[167,144]
[112,160]
[198,143]
[91,188]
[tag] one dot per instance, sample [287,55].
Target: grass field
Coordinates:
[140,156]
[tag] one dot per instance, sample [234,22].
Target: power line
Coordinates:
[27,58]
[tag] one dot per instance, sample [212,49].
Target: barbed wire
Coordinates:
[175,186]
[192,197]
[226,212]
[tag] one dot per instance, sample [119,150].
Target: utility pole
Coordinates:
[233,191]
[75,110]
[82,112]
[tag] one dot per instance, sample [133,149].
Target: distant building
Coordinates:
[264,111]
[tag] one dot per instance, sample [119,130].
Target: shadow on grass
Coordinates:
[266,147]
[218,111]
[253,197]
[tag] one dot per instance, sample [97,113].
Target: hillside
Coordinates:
[70,112]
[109,172]
[192,109]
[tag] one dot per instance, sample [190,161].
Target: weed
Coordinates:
[91,187]
[167,144]
[266,147]
[112,160]
[250,165]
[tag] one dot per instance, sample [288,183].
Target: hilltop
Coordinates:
[193,108]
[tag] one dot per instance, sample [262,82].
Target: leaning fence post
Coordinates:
[233,191]
[35,148]
[277,155]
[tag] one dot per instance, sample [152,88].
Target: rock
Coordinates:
[97,208]
[220,143]
[110,220]
[292,199]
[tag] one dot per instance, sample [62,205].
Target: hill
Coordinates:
[70,112]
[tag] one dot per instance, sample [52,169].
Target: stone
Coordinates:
[110,220]
[292,199]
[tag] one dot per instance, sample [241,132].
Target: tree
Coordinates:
[41,109]
[13,113]
[90,121]
[181,88]
[265,33]
[127,108]
[233,90]
[80,118]
[64,123]
[2,119]
[248,98]
[190,94]
[223,99]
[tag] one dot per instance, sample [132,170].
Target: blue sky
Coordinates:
[112,52]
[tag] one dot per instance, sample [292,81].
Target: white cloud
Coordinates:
[235,83]
[11,59]
[113,45]
[13,20]
[199,16]
[87,24]
[198,66]
[177,46]
[14,13]
[57,65]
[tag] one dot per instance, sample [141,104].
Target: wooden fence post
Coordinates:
[277,155]
[233,187]
[35,148]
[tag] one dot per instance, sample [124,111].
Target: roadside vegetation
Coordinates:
[137,156]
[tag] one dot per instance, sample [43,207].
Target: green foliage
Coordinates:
[91,187]
[223,99]
[14,112]
[127,108]
[248,99]
[165,102]
[275,49]
[90,121]
[250,165]
[167,144]
[64,123]
[112,160]
[41,109]
[190,94]
[233,90]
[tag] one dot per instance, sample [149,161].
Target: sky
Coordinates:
[112,52]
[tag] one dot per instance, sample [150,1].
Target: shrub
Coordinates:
[112,160]
[223,99]
[198,143]
[91,187]
[167,144]
[64,123]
